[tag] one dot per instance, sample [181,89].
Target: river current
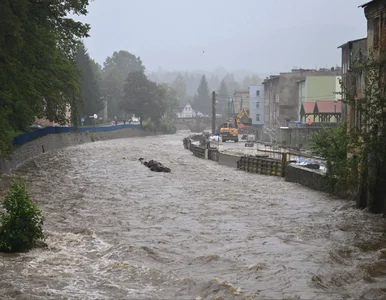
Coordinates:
[116,230]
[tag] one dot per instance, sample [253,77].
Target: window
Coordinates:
[257,93]
[257,104]
[376,32]
[257,117]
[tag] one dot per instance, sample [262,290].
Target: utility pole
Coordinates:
[214,112]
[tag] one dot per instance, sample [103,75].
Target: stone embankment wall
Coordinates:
[53,142]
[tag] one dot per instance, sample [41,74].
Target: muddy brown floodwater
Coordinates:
[116,230]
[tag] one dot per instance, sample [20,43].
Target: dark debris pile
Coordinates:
[155,166]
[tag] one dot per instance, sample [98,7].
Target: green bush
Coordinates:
[167,126]
[332,145]
[149,125]
[21,222]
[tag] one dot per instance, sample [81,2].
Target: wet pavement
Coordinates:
[116,230]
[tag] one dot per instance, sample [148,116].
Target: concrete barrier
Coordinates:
[312,179]
[228,160]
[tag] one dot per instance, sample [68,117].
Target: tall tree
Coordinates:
[250,81]
[179,86]
[202,102]
[222,97]
[37,73]
[113,91]
[143,98]
[125,62]
[171,100]
[232,84]
[93,102]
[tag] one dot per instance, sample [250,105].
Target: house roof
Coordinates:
[353,41]
[328,107]
[308,107]
[366,4]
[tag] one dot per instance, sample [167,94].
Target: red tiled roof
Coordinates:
[328,106]
[308,107]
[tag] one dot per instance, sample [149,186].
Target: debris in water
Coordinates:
[155,166]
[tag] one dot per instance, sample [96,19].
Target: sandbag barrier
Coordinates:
[260,165]
[200,152]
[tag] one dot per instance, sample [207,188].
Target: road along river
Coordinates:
[116,230]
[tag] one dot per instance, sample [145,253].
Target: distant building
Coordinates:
[318,88]
[186,111]
[241,100]
[281,94]
[256,104]
[352,78]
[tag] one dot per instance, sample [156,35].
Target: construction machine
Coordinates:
[228,128]
[243,120]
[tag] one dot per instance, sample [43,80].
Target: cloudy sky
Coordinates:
[254,35]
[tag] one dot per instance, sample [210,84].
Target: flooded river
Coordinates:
[116,230]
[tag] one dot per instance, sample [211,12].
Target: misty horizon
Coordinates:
[252,36]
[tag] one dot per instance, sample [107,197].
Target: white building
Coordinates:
[256,104]
[187,111]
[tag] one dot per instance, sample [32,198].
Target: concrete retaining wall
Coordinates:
[228,160]
[57,141]
[306,177]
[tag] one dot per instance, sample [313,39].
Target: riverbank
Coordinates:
[261,161]
[51,142]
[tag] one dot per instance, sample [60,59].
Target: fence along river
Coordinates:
[116,230]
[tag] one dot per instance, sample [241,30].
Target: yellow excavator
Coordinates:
[229,130]
[242,119]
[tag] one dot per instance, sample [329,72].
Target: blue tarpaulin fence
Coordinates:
[29,136]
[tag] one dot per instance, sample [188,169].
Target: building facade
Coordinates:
[241,100]
[352,78]
[318,88]
[186,112]
[281,94]
[256,104]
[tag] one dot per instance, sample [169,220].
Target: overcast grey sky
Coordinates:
[260,36]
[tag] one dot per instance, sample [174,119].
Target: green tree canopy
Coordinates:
[93,102]
[125,62]
[171,100]
[143,98]
[37,74]
[202,101]
[113,91]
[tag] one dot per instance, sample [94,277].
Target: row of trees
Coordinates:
[191,79]
[201,101]
[195,88]
[44,66]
